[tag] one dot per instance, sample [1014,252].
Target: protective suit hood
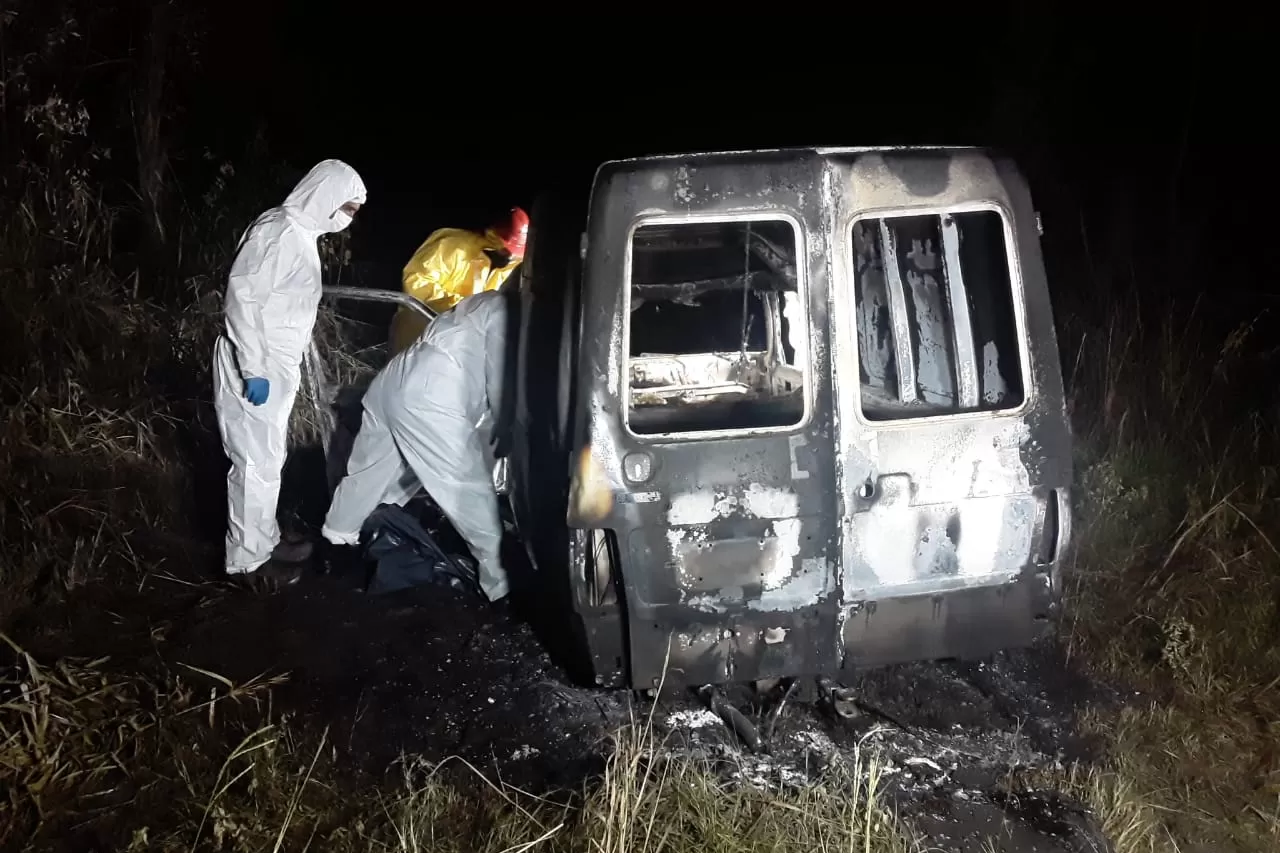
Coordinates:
[328,186]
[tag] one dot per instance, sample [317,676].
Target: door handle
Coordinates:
[882,489]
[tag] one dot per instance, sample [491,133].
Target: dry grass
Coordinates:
[1175,589]
[200,763]
[89,441]
[332,365]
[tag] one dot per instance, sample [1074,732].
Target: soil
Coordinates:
[436,673]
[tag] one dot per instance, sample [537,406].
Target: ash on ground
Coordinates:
[945,740]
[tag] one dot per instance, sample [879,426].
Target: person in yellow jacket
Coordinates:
[454,263]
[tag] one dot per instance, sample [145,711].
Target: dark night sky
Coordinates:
[452,119]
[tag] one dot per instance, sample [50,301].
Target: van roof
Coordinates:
[821,150]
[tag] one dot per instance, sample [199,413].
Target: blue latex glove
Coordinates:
[256,390]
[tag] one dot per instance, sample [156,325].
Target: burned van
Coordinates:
[788,413]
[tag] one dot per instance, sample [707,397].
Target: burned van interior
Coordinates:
[717,328]
[937,333]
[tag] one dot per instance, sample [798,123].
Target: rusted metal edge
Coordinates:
[369,294]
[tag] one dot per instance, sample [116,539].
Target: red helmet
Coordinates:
[514,233]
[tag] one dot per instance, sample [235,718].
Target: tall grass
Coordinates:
[100,385]
[1175,588]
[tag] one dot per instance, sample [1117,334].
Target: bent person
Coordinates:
[421,428]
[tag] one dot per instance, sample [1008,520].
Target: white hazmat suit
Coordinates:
[273,292]
[424,424]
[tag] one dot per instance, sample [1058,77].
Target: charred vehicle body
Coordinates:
[787,413]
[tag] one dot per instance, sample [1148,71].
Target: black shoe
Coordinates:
[291,550]
[339,560]
[269,577]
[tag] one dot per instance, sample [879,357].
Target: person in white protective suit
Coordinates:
[423,427]
[273,293]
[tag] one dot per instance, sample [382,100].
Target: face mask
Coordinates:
[339,221]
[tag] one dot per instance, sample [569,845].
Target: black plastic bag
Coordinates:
[406,555]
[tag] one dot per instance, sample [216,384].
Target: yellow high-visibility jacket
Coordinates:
[450,265]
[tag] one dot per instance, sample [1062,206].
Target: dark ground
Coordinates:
[433,673]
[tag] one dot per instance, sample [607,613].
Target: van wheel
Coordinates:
[598,615]
[601,568]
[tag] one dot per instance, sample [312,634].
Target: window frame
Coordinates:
[802,293]
[1018,293]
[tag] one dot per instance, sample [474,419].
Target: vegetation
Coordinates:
[1174,590]
[149,765]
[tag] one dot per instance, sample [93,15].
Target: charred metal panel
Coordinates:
[729,541]
[965,623]
[943,523]
[966,361]
[918,507]
[899,322]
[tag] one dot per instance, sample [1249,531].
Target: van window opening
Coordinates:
[934,304]
[716,326]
